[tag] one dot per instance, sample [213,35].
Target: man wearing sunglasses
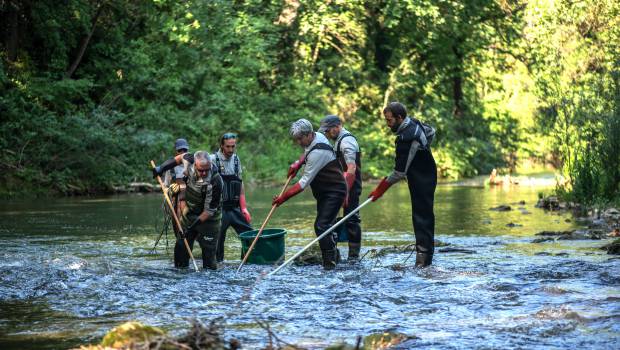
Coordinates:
[349,155]
[202,213]
[323,173]
[234,208]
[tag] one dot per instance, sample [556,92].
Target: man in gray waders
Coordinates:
[323,173]
[202,213]
[234,209]
[415,162]
[349,155]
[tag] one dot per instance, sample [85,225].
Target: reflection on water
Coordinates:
[73,268]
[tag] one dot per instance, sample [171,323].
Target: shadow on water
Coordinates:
[73,268]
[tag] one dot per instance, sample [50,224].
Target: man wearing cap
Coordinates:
[175,176]
[234,208]
[349,155]
[202,213]
[323,173]
[414,161]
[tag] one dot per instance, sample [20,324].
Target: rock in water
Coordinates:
[130,333]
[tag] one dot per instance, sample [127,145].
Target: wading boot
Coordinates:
[423,259]
[354,252]
[329,258]
[209,260]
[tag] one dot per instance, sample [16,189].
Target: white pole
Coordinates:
[321,236]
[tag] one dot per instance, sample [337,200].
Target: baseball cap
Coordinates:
[329,122]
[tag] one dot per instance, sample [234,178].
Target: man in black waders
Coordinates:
[415,162]
[349,155]
[202,213]
[322,172]
[234,209]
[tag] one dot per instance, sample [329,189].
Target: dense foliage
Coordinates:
[93,89]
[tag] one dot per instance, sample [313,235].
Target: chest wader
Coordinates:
[329,189]
[231,213]
[354,231]
[205,233]
[422,181]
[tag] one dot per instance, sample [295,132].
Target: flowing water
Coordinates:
[73,268]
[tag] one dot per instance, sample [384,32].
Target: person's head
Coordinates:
[394,113]
[302,133]
[228,144]
[181,146]
[202,163]
[331,126]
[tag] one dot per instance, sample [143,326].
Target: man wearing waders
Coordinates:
[323,173]
[349,155]
[174,178]
[234,209]
[415,162]
[202,213]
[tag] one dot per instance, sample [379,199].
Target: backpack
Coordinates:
[427,135]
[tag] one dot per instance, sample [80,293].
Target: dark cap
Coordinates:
[180,144]
[329,122]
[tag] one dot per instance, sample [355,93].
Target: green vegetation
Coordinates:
[93,89]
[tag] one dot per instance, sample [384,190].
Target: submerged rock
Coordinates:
[501,208]
[549,203]
[613,247]
[130,333]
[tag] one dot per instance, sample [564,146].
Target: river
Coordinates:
[72,268]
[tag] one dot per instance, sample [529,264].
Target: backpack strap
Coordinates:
[340,141]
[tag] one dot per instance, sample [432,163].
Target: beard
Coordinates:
[394,127]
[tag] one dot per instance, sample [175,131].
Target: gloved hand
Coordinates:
[174,188]
[294,168]
[244,208]
[380,189]
[157,172]
[278,200]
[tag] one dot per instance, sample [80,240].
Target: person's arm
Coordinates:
[243,205]
[401,168]
[171,163]
[399,173]
[315,161]
[349,148]
[212,199]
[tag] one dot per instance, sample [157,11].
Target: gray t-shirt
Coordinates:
[316,160]
[348,146]
[227,165]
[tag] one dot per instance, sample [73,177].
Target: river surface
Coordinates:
[73,268]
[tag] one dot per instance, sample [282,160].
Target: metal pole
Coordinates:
[321,236]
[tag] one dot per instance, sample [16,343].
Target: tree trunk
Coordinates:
[457,82]
[12,39]
[84,44]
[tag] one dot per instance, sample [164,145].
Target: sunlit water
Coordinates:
[71,269]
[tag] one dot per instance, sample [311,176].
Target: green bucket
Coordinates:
[269,248]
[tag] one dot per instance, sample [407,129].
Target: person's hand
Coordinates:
[380,189]
[278,200]
[246,215]
[174,188]
[157,172]
[294,168]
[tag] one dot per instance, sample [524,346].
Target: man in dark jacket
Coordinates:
[202,213]
[415,162]
[350,157]
[323,173]
[234,208]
